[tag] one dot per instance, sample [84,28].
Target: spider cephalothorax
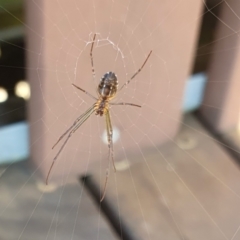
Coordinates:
[106,90]
[101,107]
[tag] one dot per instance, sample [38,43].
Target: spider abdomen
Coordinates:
[108,85]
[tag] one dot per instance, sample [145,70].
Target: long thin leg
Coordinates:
[122,103]
[110,152]
[74,124]
[84,117]
[93,71]
[109,136]
[106,180]
[136,73]
[90,95]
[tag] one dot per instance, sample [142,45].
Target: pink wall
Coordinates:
[60,30]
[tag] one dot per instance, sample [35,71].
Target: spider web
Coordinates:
[125,34]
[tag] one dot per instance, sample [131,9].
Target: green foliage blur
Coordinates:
[11,13]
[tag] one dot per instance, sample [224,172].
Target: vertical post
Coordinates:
[59,35]
[221,103]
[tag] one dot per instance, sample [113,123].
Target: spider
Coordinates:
[106,90]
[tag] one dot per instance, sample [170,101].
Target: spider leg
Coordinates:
[110,153]
[93,71]
[109,137]
[137,72]
[81,120]
[106,180]
[122,103]
[90,95]
[74,124]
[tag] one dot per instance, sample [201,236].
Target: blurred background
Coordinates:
[177,159]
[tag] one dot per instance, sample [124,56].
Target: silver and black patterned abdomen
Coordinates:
[108,85]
